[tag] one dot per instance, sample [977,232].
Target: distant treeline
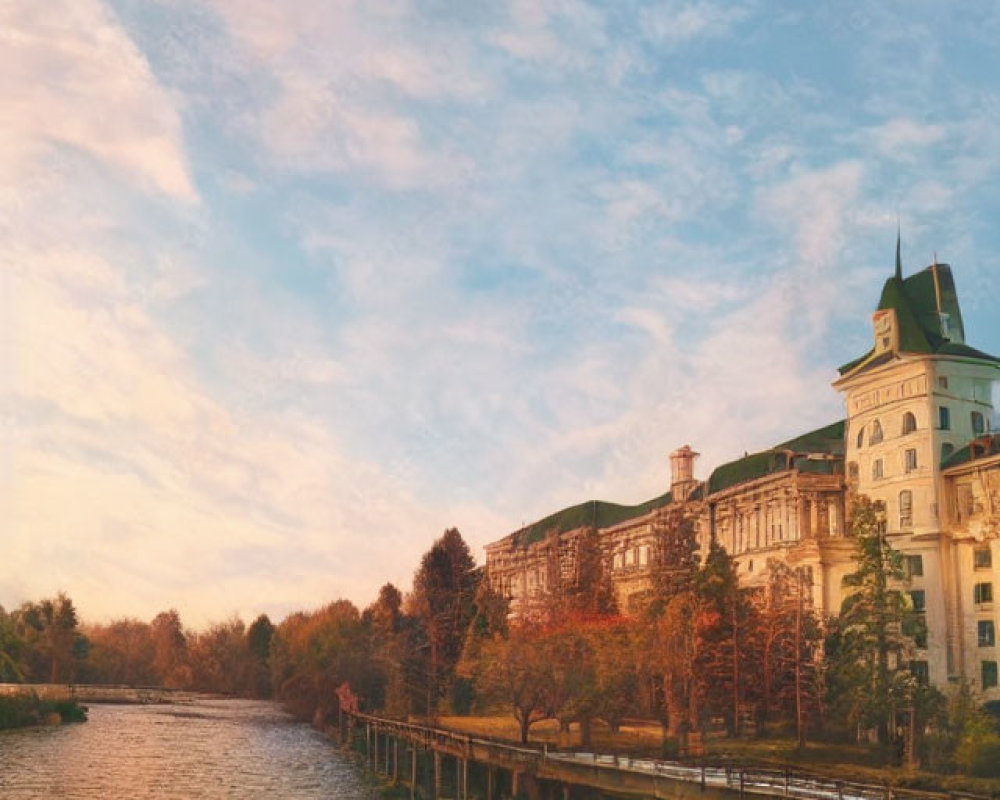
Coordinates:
[704,653]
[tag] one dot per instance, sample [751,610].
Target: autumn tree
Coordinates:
[791,643]
[169,645]
[592,593]
[516,671]
[121,653]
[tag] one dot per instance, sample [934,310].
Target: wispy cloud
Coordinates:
[291,287]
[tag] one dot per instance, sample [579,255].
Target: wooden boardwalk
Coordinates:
[503,770]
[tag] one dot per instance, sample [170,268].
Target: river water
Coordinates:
[200,749]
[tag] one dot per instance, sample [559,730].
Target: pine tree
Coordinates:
[869,644]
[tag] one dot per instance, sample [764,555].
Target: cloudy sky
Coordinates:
[286,289]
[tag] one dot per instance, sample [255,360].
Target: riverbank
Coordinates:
[24,711]
[639,739]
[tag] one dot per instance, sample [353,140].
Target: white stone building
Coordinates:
[918,435]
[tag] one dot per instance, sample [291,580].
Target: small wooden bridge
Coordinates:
[436,763]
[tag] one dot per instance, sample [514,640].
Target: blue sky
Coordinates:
[289,288]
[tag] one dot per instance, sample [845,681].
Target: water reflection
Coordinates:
[206,748]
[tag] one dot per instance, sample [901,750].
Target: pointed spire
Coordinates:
[899,261]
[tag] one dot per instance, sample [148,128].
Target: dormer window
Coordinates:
[978,425]
[884,324]
[945,325]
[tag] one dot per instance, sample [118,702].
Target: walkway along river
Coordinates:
[201,748]
[438,763]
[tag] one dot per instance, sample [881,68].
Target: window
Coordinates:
[919,598]
[947,448]
[986,632]
[978,426]
[876,435]
[943,382]
[982,558]
[989,674]
[861,438]
[982,593]
[909,423]
[920,671]
[876,469]
[911,459]
[852,470]
[944,418]
[914,566]
[906,509]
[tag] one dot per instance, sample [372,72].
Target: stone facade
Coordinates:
[917,437]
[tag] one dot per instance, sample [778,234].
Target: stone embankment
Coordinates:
[94,694]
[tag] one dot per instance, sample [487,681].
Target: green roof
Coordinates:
[828,440]
[592,514]
[984,445]
[915,300]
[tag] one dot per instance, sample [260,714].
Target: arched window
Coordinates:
[876,436]
[909,423]
[906,509]
[978,426]
[861,437]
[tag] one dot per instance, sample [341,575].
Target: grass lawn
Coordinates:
[835,761]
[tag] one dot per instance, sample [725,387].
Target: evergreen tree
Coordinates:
[869,646]
[444,591]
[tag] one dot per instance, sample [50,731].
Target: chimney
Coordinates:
[682,481]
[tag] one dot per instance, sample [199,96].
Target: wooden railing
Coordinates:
[645,776]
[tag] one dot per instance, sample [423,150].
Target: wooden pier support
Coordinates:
[413,771]
[437,775]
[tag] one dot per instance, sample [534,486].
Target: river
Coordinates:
[205,748]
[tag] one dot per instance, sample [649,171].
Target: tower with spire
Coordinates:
[913,399]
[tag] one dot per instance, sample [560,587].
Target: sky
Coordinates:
[287,289]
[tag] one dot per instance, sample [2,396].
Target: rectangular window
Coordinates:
[986,633]
[921,672]
[943,382]
[914,566]
[982,558]
[944,418]
[876,469]
[919,598]
[906,509]
[911,459]
[982,593]
[989,674]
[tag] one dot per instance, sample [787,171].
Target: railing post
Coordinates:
[395,760]
[742,780]
[702,781]
[437,774]
[413,770]
[840,790]
[788,777]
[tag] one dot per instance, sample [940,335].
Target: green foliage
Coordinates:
[868,646]
[444,591]
[26,710]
